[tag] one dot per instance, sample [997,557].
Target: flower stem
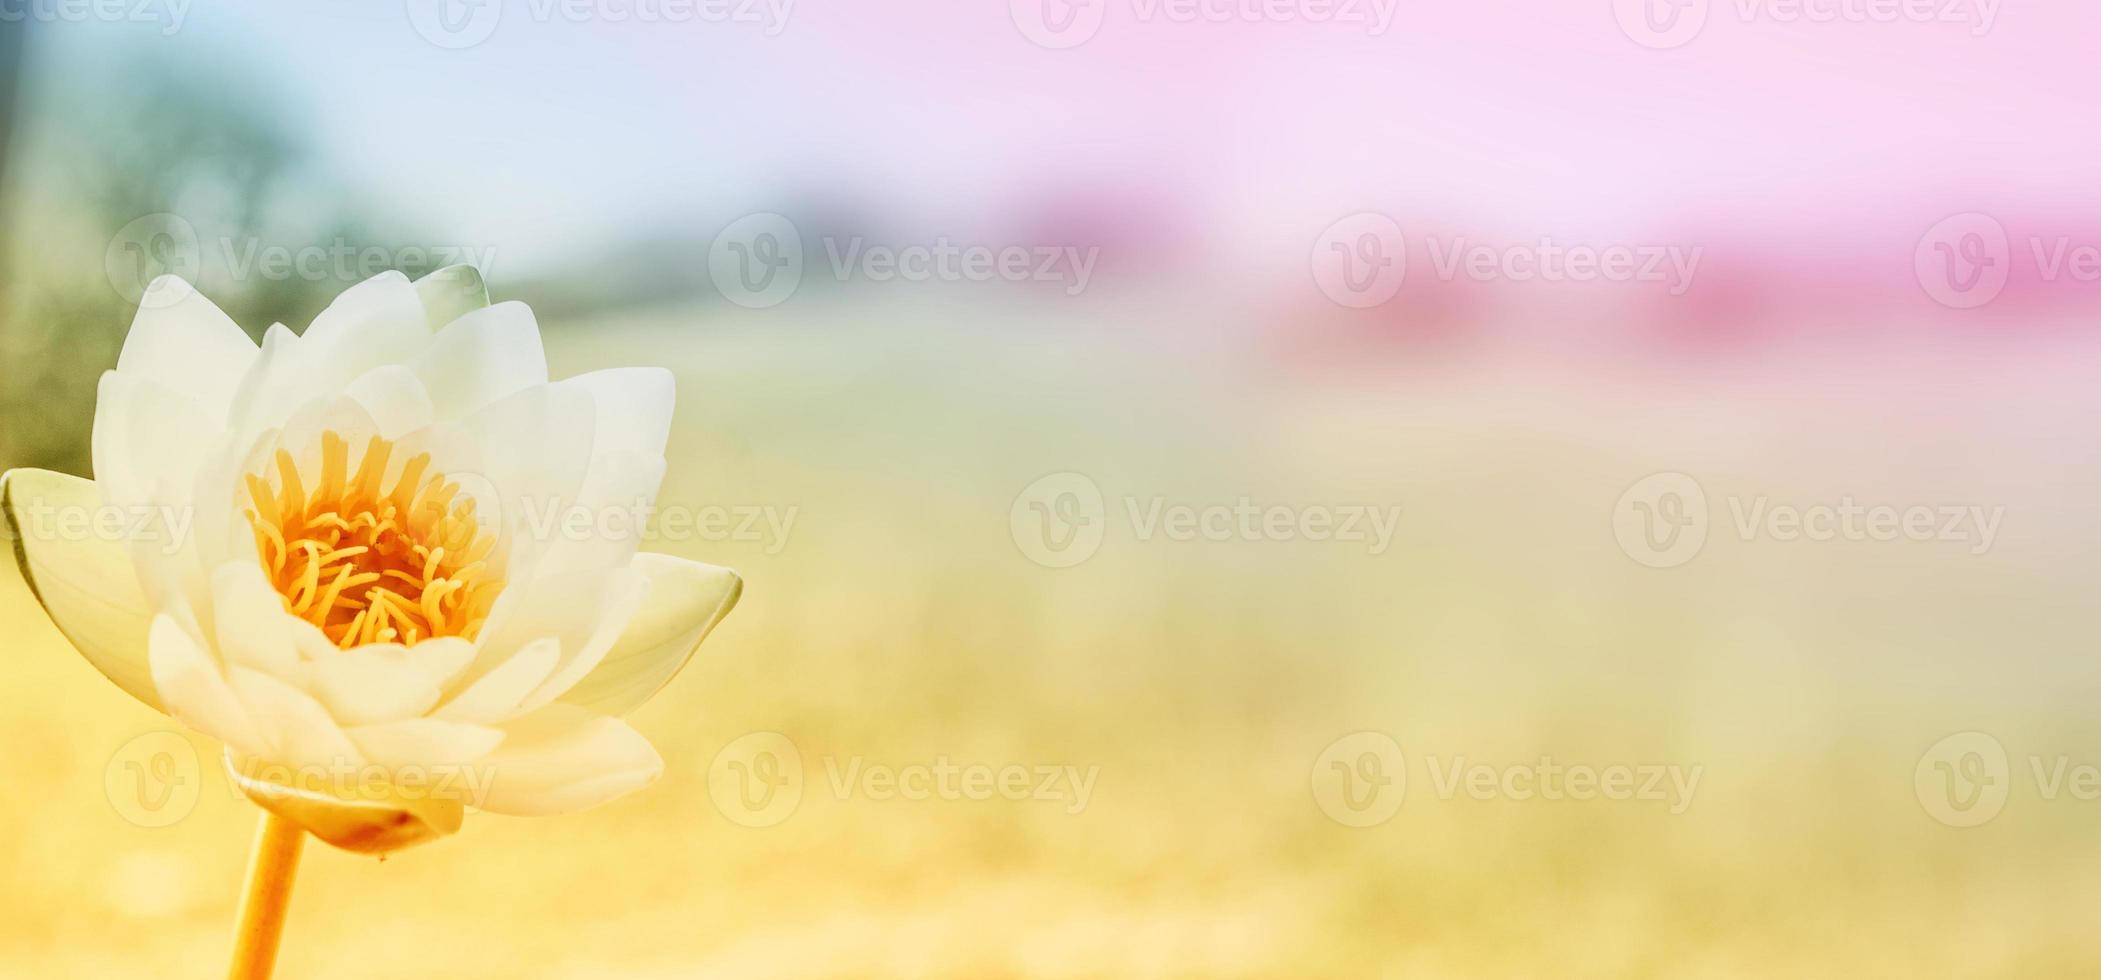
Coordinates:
[270,872]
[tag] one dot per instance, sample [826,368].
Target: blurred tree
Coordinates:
[11,38]
[121,151]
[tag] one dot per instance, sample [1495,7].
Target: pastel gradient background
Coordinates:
[913,591]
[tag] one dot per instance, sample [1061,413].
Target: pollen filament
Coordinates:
[369,565]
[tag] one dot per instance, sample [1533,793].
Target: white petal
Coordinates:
[373,683]
[483,357]
[495,695]
[584,612]
[250,620]
[396,399]
[532,451]
[424,742]
[686,600]
[634,407]
[149,440]
[297,729]
[196,693]
[561,759]
[442,658]
[613,506]
[185,344]
[273,387]
[85,582]
[376,322]
[625,592]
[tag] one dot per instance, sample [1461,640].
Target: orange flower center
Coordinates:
[373,564]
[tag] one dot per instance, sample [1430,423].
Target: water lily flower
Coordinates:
[350,556]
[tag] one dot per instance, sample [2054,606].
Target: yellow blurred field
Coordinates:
[899,624]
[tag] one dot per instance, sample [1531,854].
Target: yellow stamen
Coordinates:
[369,563]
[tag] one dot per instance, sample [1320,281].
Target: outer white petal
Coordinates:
[148,441]
[377,322]
[196,693]
[686,600]
[562,759]
[634,407]
[495,695]
[625,592]
[87,584]
[427,743]
[350,817]
[184,343]
[584,612]
[483,357]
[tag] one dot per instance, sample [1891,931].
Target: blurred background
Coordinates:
[1251,420]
